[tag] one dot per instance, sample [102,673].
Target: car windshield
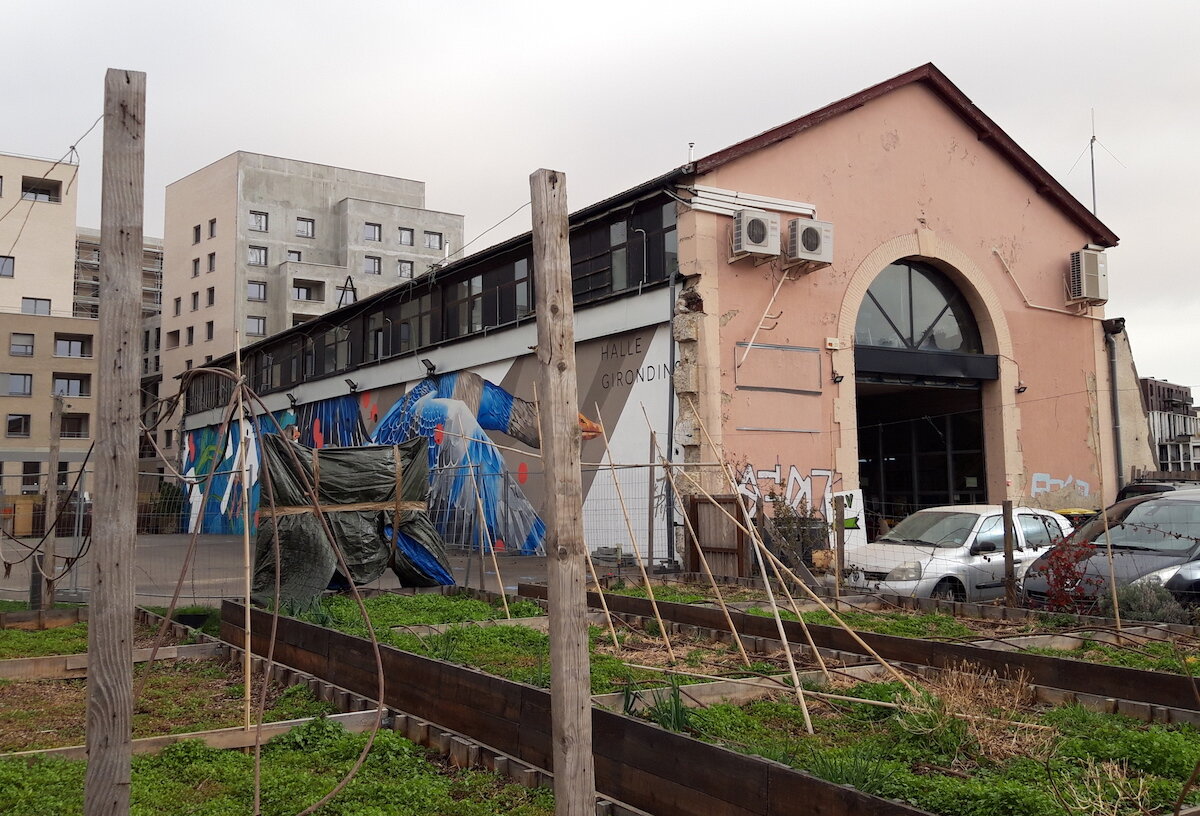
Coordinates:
[1161,525]
[934,527]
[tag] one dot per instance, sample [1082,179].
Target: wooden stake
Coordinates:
[1010,575]
[244,473]
[662,629]
[570,670]
[839,538]
[49,565]
[487,536]
[803,624]
[110,623]
[612,630]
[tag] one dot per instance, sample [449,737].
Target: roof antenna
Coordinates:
[691,151]
[1092,150]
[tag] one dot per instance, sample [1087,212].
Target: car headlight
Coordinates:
[908,571]
[1158,576]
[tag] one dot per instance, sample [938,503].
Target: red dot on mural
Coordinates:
[438,435]
[522,473]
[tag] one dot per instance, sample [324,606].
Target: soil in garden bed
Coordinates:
[298,768]
[178,697]
[1008,756]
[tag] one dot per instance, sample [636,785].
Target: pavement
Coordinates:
[218,570]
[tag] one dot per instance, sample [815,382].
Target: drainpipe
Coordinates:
[670,495]
[1112,327]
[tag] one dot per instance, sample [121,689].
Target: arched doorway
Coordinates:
[919,372]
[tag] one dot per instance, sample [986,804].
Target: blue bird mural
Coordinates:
[453,411]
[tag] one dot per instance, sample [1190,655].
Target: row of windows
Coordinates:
[210,297]
[74,426]
[67,385]
[624,253]
[189,335]
[212,231]
[21,344]
[307,228]
[212,264]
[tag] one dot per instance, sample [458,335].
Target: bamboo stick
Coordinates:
[633,540]
[612,630]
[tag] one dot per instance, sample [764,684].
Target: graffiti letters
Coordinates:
[1045,483]
[796,490]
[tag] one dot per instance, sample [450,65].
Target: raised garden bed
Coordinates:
[297,770]
[178,697]
[1004,755]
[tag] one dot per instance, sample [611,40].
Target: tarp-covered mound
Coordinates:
[357,490]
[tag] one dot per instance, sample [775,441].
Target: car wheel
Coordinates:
[948,589]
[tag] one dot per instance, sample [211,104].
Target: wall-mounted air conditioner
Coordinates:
[755,232]
[1087,279]
[810,240]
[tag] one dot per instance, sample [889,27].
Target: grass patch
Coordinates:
[388,610]
[923,755]
[900,624]
[40,643]
[298,768]
[1161,657]
[687,593]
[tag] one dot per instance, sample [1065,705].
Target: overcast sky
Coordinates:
[471,97]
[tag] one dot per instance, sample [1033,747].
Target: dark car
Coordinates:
[1154,538]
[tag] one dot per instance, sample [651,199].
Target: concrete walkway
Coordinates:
[218,571]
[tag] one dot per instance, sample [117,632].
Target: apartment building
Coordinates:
[1172,422]
[256,244]
[48,348]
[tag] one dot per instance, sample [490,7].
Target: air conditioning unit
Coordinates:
[810,240]
[755,232]
[1087,279]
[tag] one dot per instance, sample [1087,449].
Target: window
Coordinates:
[208,358]
[212,262]
[35,306]
[346,295]
[196,234]
[372,265]
[258,221]
[404,269]
[211,295]
[306,228]
[72,345]
[190,335]
[20,345]
[256,326]
[168,437]
[187,365]
[41,189]
[372,232]
[257,256]
[63,472]
[303,291]
[212,228]
[173,339]
[146,342]
[293,255]
[406,236]
[916,308]
[74,426]
[433,240]
[256,290]
[195,301]
[18,425]
[30,478]
[73,385]
[178,303]
[195,267]
[7,266]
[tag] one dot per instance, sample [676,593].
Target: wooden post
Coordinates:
[110,614]
[839,537]
[1010,577]
[49,572]
[558,420]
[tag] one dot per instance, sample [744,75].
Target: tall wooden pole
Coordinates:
[1010,576]
[49,573]
[110,616]
[558,419]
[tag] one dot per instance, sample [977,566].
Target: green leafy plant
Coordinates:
[860,767]
[1148,601]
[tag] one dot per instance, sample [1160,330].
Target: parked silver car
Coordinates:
[954,552]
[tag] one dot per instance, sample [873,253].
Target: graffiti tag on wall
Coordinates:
[797,491]
[1045,483]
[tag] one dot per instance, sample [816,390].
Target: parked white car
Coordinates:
[954,552]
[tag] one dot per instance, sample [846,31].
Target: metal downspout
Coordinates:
[1112,328]
[670,495]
